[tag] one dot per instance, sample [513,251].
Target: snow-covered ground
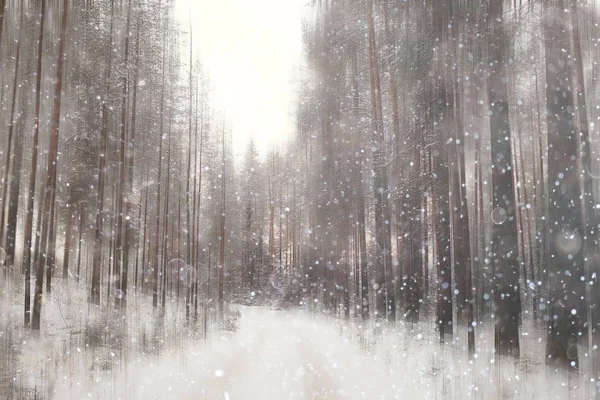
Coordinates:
[297,355]
[272,355]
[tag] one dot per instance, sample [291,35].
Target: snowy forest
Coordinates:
[429,231]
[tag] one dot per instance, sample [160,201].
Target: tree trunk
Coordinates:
[589,211]
[7,180]
[222,236]
[81,235]
[50,186]
[120,268]
[384,295]
[460,231]
[155,260]
[362,275]
[187,190]
[130,164]
[165,245]
[13,199]
[34,157]
[198,195]
[102,174]
[443,234]
[2,11]
[504,208]
[564,206]
[67,249]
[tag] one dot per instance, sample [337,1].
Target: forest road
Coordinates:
[281,355]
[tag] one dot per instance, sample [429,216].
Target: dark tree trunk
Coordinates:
[130,164]
[357,169]
[165,238]
[13,201]
[198,196]
[102,175]
[81,235]
[460,227]
[7,180]
[155,261]
[564,206]
[145,247]
[589,212]
[122,202]
[504,208]
[189,228]
[385,303]
[67,250]
[50,187]
[34,157]
[2,11]
[222,235]
[443,233]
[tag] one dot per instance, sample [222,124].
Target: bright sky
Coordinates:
[251,50]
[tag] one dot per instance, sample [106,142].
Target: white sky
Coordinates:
[250,50]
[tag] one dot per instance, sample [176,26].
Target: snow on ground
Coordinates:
[272,355]
[297,355]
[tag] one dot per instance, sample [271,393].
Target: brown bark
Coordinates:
[130,163]
[67,248]
[507,300]
[80,231]
[362,281]
[102,173]
[222,235]
[384,295]
[155,261]
[165,244]
[189,228]
[50,186]
[34,157]
[120,268]
[589,212]
[565,227]
[7,181]
[2,10]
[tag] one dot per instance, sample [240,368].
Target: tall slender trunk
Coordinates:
[222,236]
[67,248]
[187,190]
[2,11]
[50,186]
[28,231]
[541,196]
[443,232]
[193,266]
[386,305]
[362,276]
[504,207]
[130,164]
[7,181]
[198,214]
[564,206]
[460,227]
[165,245]
[81,234]
[145,247]
[526,229]
[124,157]
[589,210]
[102,174]
[155,261]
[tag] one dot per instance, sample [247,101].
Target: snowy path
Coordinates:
[274,355]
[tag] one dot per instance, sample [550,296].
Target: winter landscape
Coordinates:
[299,199]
